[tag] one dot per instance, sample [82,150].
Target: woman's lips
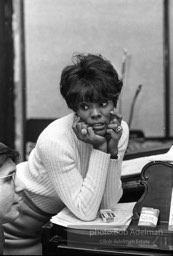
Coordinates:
[98,126]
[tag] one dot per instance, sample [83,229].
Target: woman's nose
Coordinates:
[19,185]
[95,113]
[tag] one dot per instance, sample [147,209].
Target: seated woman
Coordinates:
[10,187]
[77,159]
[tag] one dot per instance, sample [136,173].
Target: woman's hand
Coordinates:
[86,134]
[114,130]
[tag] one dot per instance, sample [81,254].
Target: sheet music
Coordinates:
[123,213]
[134,166]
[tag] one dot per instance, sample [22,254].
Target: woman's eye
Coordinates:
[103,104]
[84,107]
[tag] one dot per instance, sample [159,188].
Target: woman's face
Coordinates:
[96,115]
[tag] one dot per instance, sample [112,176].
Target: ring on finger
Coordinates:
[84,131]
[118,128]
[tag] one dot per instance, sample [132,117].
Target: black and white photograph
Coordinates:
[86,127]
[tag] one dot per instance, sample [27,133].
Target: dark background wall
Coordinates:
[6,74]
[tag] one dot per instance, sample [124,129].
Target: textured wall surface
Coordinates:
[56,29]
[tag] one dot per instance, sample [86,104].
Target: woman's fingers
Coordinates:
[116,116]
[76,120]
[115,127]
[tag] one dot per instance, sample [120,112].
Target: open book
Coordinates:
[123,213]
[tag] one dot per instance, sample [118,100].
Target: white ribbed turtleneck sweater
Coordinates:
[64,171]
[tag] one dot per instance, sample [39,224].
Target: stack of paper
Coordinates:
[123,213]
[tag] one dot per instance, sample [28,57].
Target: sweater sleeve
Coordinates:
[113,188]
[81,195]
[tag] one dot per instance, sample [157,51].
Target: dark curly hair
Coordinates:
[90,78]
[8,153]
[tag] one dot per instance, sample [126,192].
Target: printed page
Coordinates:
[123,213]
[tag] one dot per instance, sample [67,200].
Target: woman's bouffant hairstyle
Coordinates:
[91,78]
